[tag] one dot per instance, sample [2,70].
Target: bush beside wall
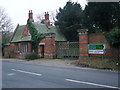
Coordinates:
[32,56]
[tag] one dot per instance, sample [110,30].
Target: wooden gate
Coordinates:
[67,49]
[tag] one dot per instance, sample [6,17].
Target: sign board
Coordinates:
[96,48]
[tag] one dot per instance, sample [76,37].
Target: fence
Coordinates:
[67,49]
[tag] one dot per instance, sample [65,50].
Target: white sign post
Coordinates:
[96,49]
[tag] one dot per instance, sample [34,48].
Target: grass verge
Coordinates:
[110,63]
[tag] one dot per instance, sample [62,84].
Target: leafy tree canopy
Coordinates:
[114,37]
[97,17]
[101,15]
[69,20]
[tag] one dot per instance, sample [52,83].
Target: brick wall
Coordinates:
[9,51]
[94,38]
[98,38]
[83,43]
[29,48]
[19,47]
[49,46]
[12,48]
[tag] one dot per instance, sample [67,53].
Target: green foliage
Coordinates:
[97,17]
[6,36]
[36,37]
[32,56]
[69,20]
[114,37]
[101,16]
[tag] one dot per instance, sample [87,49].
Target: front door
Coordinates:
[42,51]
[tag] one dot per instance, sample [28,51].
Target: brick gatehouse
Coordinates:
[20,42]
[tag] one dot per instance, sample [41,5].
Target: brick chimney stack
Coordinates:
[46,16]
[30,15]
[47,21]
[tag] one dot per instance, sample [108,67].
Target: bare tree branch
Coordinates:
[5,27]
[5,21]
[52,16]
[39,17]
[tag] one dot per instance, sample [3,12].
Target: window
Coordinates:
[24,47]
[16,47]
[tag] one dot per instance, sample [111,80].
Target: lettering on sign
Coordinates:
[96,48]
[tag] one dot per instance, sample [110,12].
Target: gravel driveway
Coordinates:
[53,62]
[48,62]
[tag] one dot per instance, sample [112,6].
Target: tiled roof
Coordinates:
[59,36]
[18,33]
[41,28]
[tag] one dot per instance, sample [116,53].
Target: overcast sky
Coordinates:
[18,10]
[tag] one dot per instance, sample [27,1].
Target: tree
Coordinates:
[5,21]
[69,20]
[114,37]
[5,28]
[101,16]
[41,17]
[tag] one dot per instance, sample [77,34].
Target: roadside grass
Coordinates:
[0,57]
[15,58]
[98,62]
[110,63]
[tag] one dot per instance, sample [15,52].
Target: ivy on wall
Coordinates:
[35,36]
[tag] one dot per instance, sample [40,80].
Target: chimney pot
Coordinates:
[30,15]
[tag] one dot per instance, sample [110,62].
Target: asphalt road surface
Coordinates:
[25,75]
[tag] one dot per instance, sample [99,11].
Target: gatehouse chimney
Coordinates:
[30,14]
[46,16]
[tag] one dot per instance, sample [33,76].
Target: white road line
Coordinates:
[107,86]
[11,74]
[27,72]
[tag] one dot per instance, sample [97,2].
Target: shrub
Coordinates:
[32,56]
[113,37]
[9,52]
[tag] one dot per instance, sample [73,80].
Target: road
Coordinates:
[24,75]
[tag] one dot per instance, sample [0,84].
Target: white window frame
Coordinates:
[24,47]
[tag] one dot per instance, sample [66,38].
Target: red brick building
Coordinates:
[55,44]
[21,39]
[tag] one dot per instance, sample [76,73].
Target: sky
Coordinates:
[18,10]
